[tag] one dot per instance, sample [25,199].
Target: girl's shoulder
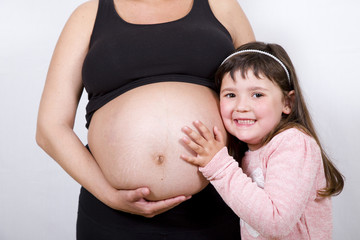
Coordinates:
[293,138]
[291,146]
[291,133]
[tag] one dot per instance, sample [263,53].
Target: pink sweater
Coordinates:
[275,191]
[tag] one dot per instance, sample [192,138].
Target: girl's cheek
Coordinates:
[223,109]
[226,113]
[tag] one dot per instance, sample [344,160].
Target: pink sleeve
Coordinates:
[291,171]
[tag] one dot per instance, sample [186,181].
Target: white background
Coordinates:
[38,200]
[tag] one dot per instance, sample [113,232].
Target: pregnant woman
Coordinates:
[147,66]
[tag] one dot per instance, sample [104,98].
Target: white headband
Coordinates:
[261,52]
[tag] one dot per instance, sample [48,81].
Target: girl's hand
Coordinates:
[134,202]
[205,144]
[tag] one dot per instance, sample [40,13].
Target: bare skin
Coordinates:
[204,143]
[154,115]
[63,90]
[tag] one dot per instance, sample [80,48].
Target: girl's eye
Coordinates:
[229,95]
[257,95]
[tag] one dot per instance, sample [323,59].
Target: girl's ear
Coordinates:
[289,102]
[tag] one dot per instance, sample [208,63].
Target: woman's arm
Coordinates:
[56,118]
[231,15]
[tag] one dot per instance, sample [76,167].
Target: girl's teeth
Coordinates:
[245,121]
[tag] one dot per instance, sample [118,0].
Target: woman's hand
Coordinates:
[134,202]
[205,144]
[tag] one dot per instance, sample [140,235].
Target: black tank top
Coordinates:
[123,56]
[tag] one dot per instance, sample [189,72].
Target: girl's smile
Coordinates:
[244,122]
[251,107]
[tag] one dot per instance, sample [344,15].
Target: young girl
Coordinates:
[282,189]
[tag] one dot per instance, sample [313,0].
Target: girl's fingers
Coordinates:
[196,137]
[204,130]
[189,159]
[194,146]
[218,135]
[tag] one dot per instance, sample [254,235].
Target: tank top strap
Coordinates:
[106,10]
[201,13]
[106,17]
[201,8]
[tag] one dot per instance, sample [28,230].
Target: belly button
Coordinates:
[160,159]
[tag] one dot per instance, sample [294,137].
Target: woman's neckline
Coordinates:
[153,24]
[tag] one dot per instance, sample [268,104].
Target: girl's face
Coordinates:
[251,107]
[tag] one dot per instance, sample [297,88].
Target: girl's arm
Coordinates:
[291,170]
[56,118]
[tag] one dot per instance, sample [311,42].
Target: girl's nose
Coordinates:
[242,105]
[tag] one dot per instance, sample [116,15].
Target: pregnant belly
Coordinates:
[135,138]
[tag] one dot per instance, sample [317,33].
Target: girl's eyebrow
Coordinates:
[254,88]
[229,89]
[257,88]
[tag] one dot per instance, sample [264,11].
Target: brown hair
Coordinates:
[299,117]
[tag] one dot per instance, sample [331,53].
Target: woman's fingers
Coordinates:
[165,205]
[140,206]
[138,194]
